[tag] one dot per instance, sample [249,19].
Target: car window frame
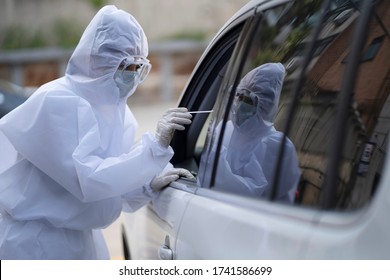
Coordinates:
[309,54]
[193,96]
[191,100]
[239,56]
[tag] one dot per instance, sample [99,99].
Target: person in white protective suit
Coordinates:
[69,164]
[251,144]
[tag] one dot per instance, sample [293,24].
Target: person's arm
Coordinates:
[60,135]
[141,196]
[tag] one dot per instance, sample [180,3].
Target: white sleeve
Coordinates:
[61,137]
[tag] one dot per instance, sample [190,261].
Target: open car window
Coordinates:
[200,95]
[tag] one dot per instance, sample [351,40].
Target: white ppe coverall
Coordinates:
[69,163]
[251,144]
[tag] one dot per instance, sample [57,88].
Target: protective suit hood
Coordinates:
[264,85]
[110,37]
[249,151]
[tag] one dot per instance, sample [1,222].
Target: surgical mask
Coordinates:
[243,111]
[126,81]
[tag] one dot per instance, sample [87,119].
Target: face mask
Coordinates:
[242,112]
[126,81]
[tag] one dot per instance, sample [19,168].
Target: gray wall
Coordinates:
[160,18]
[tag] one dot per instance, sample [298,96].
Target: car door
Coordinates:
[220,221]
[341,197]
[151,232]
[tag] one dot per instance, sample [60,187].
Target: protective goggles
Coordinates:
[137,64]
[243,95]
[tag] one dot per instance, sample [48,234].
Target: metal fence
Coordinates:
[16,60]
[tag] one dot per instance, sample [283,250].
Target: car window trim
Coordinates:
[200,79]
[252,24]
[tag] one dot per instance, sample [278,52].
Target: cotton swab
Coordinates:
[200,112]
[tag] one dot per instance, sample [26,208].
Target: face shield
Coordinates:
[263,86]
[244,106]
[131,72]
[138,65]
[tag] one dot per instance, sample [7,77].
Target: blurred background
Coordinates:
[37,38]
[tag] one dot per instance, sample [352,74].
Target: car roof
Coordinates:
[242,14]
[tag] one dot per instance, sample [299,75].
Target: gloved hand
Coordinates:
[174,118]
[168,177]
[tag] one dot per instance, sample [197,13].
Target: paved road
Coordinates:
[147,116]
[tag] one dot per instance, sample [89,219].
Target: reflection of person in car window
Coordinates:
[251,143]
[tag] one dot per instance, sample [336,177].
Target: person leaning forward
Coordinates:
[70,163]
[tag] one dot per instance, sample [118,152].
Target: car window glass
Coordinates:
[251,141]
[316,116]
[225,83]
[248,159]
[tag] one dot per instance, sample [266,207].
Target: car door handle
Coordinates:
[165,252]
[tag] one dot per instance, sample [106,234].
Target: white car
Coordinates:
[335,109]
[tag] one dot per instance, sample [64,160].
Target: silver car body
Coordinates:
[192,221]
